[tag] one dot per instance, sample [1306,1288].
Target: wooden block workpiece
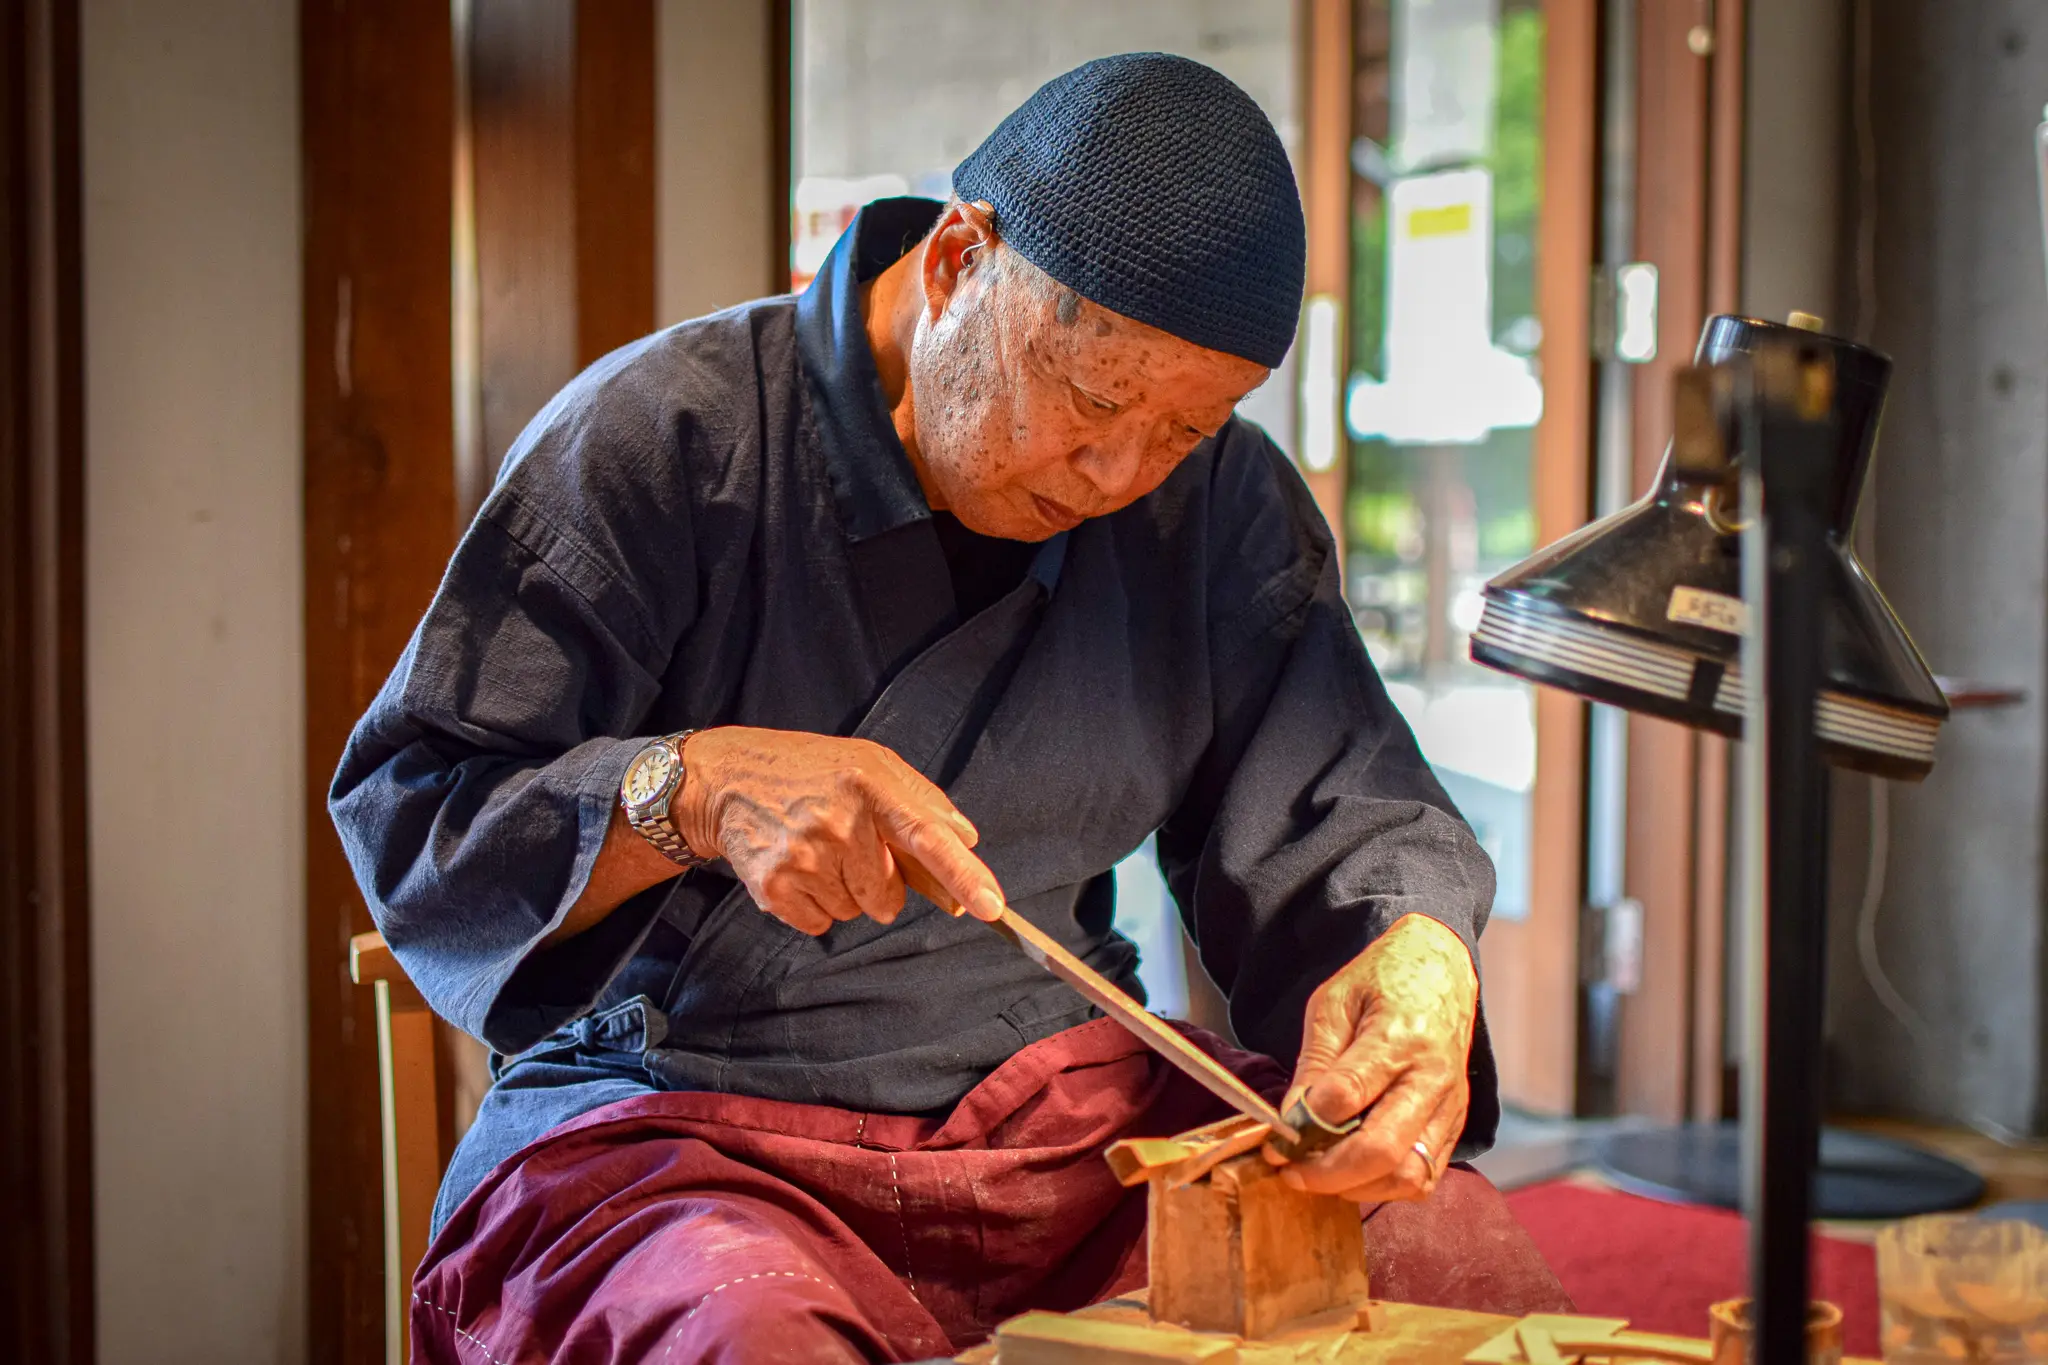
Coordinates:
[1068,1339]
[1559,1338]
[1242,1252]
[1188,1156]
[1400,1334]
[1373,1333]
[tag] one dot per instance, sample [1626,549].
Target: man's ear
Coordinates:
[957,248]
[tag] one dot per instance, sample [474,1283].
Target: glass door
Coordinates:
[863,132]
[1438,404]
[1444,392]
[1471,166]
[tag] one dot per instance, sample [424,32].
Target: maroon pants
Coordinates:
[679,1227]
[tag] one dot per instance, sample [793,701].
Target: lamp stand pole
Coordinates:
[1789,438]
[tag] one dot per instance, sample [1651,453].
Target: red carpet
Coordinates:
[1660,1265]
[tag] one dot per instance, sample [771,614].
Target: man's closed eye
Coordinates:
[1091,405]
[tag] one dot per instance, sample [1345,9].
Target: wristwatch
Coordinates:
[652,779]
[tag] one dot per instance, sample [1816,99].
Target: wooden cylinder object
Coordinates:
[1732,1330]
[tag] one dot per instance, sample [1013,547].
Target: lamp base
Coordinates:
[1860,1175]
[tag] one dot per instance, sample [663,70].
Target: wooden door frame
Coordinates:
[1532,966]
[1712,1089]
[1689,131]
[1325,41]
[555,249]
[387,484]
[45,999]
[377,110]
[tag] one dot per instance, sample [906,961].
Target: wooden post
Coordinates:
[614,111]
[1711,1067]
[1688,222]
[1532,966]
[378,117]
[46,1256]
[1327,75]
[555,235]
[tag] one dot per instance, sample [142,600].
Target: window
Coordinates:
[1444,391]
[891,94]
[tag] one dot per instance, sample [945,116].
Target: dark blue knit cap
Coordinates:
[1152,185]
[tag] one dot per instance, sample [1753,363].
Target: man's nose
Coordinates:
[1111,465]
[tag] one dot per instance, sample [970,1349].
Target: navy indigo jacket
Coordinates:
[718,526]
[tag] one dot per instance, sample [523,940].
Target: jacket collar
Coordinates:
[873,484]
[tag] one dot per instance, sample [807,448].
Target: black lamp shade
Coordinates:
[1643,609]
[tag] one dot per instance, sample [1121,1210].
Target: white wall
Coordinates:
[191,182]
[1792,224]
[1954,295]
[713,157]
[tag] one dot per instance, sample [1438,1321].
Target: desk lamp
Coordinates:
[1738,565]
[1644,609]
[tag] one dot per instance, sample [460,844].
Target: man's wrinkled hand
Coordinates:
[823,829]
[1388,1037]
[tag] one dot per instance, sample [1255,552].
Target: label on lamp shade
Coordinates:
[1711,610]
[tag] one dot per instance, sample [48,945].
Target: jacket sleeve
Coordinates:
[473,796]
[1312,823]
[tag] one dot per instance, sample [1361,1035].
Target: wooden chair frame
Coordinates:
[415,1142]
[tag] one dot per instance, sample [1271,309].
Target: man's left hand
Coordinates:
[1390,1033]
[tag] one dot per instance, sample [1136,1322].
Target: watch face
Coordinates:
[649,774]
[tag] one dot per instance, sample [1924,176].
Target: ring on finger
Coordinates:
[1421,1149]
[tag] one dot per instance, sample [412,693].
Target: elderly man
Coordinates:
[938,587]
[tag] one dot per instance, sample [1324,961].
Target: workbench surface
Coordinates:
[1413,1335]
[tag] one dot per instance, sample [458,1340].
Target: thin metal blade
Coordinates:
[1155,1032]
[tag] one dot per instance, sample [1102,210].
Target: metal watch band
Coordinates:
[657,829]
[658,832]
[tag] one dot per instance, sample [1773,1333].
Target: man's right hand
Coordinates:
[822,829]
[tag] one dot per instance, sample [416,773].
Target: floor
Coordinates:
[1533,1149]
[2015,1170]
